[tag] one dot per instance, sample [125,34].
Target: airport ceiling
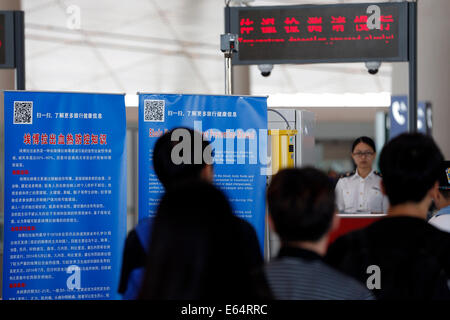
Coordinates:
[169,46]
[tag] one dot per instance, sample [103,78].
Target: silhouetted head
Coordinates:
[179,155]
[301,204]
[410,166]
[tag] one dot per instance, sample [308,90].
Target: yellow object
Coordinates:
[282,149]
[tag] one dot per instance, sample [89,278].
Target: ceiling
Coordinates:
[160,46]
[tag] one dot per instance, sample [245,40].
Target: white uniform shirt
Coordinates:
[355,194]
[442,219]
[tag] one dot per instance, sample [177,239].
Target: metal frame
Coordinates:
[408,22]
[412,66]
[9,40]
[19,48]
[15,45]
[407,51]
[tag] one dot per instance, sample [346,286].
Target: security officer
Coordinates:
[360,190]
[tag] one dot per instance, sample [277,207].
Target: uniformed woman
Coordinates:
[360,190]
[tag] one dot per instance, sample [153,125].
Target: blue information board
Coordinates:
[65,195]
[237,128]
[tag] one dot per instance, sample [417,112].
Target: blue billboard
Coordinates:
[236,126]
[65,195]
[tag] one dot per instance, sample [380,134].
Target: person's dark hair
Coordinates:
[365,140]
[409,165]
[166,170]
[445,193]
[197,249]
[301,203]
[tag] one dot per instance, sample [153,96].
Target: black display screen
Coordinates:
[2,39]
[6,39]
[326,33]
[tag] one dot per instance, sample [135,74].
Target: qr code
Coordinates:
[23,112]
[154,110]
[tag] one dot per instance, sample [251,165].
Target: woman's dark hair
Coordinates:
[167,171]
[410,165]
[365,140]
[198,248]
[301,203]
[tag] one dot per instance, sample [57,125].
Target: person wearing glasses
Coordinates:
[360,190]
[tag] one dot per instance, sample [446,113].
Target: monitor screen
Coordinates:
[2,39]
[319,33]
[7,39]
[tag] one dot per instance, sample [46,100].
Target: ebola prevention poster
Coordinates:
[65,195]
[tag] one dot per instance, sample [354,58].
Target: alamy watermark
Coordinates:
[374,280]
[232,146]
[74,280]
[374,21]
[73,21]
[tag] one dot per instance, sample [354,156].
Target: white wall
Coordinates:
[434,66]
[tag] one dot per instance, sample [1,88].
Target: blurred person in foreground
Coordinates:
[401,256]
[302,212]
[441,219]
[199,250]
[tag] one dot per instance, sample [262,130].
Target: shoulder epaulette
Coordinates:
[378,173]
[347,174]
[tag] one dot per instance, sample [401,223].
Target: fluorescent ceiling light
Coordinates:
[381,99]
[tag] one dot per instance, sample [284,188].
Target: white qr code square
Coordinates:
[154,110]
[23,112]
